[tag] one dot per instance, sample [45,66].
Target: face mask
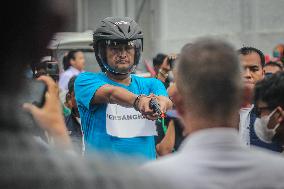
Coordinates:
[261,128]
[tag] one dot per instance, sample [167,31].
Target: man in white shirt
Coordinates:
[208,100]
[252,60]
[76,61]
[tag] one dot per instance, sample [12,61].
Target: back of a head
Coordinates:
[65,62]
[26,35]
[208,75]
[275,64]
[71,84]
[158,59]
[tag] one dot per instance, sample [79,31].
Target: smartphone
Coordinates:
[171,62]
[34,93]
[273,121]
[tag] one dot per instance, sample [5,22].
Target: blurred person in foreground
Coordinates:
[269,101]
[252,60]
[208,101]
[24,163]
[114,104]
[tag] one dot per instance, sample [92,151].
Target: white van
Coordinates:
[66,41]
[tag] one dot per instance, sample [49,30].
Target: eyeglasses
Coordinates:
[119,46]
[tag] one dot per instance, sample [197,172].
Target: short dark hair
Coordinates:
[208,74]
[271,63]
[71,84]
[66,63]
[249,50]
[158,59]
[71,55]
[271,90]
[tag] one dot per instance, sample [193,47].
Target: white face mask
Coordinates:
[261,128]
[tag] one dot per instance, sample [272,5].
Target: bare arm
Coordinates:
[116,95]
[167,144]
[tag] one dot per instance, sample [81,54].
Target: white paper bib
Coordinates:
[127,122]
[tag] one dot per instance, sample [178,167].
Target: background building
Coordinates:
[169,24]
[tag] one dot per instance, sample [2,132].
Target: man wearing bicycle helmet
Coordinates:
[114,104]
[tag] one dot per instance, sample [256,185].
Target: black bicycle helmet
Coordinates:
[121,30]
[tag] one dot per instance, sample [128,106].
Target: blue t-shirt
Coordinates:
[93,116]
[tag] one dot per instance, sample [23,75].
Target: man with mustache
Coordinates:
[114,105]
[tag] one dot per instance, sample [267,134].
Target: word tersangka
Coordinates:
[125,117]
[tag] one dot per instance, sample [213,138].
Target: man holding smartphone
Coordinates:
[252,60]
[269,101]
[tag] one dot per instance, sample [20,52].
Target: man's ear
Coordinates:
[179,102]
[263,72]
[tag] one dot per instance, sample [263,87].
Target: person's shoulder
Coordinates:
[166,162]
[274,160]
[269,164]
[67,72]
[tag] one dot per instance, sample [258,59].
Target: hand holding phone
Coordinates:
[34,93]
[276,118]
[50,117]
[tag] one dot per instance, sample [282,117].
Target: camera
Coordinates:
[171,61]
[52,70]
[49,68]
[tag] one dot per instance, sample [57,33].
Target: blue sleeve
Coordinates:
[158,88]
[86,85]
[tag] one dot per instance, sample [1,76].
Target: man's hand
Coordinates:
[144,106]
[50,117]
[165,103]
[275,119]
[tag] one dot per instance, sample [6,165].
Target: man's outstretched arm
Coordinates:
[118,95]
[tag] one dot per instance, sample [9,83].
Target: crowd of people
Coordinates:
[211,116]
